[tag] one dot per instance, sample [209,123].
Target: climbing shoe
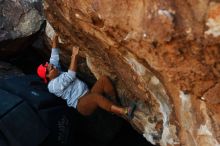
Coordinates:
[129,111]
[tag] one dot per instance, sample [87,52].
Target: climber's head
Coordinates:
[47,72]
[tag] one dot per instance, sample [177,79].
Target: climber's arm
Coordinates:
[55,41]
[73,63]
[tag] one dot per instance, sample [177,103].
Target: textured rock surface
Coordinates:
[165,55]
[19,19]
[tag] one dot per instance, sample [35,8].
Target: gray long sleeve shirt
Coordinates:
[66,85]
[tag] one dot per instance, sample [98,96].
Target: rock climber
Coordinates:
[76,93]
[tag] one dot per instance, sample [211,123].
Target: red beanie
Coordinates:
[41,71]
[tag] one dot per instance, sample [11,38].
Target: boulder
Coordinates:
[19,20]
[164,55]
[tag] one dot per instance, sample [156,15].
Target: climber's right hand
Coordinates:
[75,50]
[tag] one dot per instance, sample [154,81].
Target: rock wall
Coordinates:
[19,19]
[164,55]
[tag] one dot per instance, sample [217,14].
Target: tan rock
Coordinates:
[157,54]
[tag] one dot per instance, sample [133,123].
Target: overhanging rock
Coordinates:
[163,55]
